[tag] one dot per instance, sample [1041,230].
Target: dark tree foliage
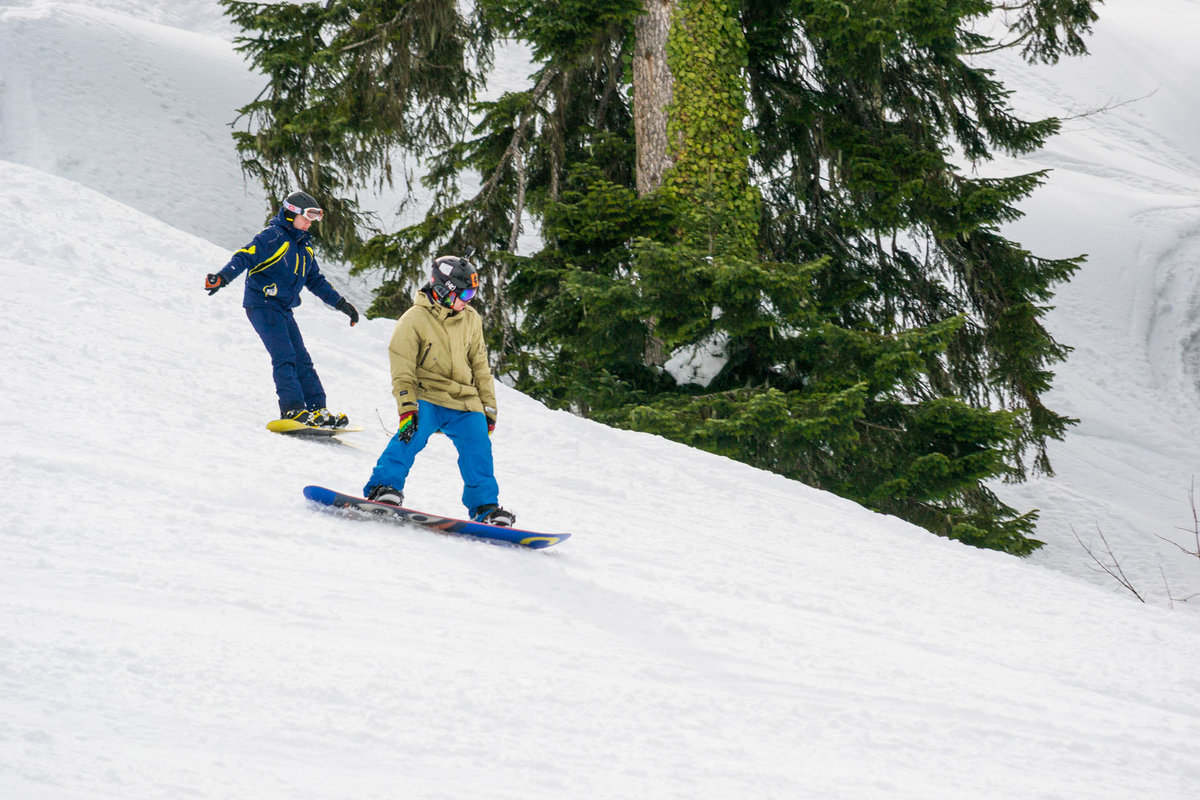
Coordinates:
[520,147]
[861,110]
[354,86]
[884,342]
[849,410]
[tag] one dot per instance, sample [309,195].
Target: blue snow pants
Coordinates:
[467,430]
[296,380]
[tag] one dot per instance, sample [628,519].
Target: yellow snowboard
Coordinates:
[290,426]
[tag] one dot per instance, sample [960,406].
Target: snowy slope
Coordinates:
[187,626]
[1124,189]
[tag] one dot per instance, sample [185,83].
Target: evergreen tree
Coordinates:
[879,337]
[862,107]
[354,87]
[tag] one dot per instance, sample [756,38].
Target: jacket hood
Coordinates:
[291,230]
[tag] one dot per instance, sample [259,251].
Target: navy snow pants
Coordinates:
[296,380]
[467,430]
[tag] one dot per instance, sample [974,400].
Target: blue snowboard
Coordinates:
[477,530]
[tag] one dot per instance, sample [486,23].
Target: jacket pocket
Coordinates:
[425,355]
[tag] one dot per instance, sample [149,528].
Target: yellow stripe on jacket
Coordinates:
[278,255]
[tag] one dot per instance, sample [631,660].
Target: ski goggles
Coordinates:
[466,295]
[314,214]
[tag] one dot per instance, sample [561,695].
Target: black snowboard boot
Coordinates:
[386,494]
[492,514]
[301,415]
[324,418]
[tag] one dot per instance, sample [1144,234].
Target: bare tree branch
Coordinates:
[1114,569]
[1194,530]
[1109,107]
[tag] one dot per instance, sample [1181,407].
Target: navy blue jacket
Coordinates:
[280,261]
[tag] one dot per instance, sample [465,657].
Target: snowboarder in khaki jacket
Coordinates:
[441,381]
[438,354]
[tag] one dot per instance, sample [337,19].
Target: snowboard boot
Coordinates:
[492,514]
[301,415]
[324,418]
[386,494]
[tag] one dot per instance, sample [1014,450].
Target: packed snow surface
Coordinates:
[176,621]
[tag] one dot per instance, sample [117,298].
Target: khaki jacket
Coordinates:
[440,357]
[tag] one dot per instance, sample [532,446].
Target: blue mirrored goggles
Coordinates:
[465,295]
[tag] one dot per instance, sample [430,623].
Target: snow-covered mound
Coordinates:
[132,108]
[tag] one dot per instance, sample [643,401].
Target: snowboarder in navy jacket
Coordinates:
[278,264]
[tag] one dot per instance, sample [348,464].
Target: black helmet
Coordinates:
[301,203]
[453,278]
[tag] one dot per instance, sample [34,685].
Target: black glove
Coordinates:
[408,426]
[349,310]
[213,283]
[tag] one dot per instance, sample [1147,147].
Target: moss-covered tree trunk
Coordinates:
[689,107]
[708,145]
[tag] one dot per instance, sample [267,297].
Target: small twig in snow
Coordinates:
[1114,569]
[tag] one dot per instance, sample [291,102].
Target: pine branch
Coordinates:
[518,135]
